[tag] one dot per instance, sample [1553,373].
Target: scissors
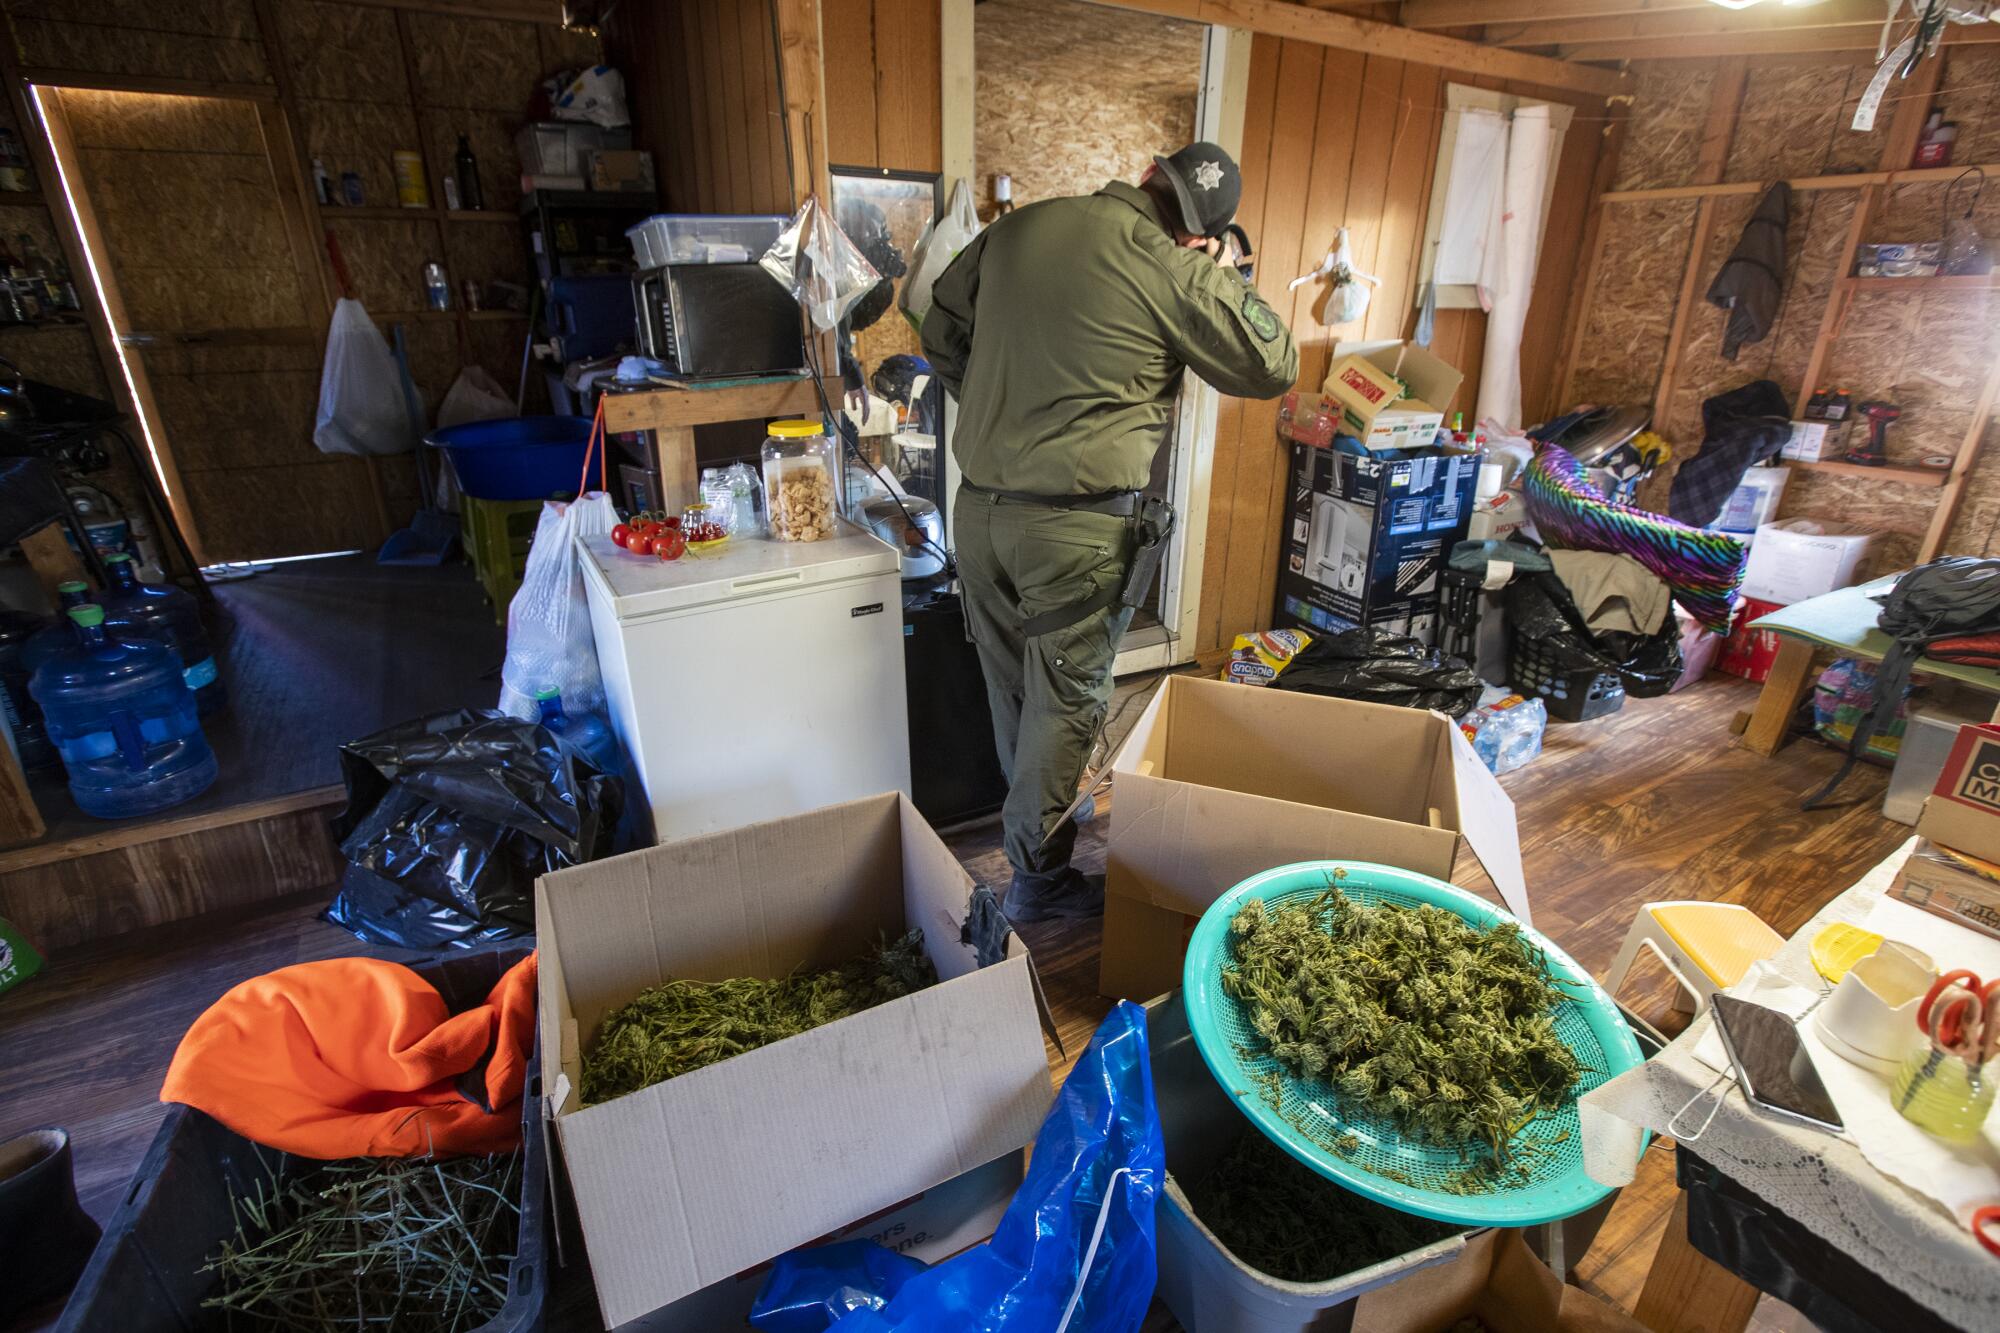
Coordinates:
[1961,1016]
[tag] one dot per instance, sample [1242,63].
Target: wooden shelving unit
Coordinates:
[401,213]
[1902,476]
[1979,282]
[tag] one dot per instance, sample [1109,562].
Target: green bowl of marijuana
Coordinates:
[1406,1039]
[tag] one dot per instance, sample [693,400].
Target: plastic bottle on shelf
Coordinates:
[160,611]
[120,713]
[585,732]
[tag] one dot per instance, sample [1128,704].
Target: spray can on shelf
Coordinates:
[412,190]
[323,184]
[437,288]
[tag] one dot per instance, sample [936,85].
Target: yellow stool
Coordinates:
[1706,946]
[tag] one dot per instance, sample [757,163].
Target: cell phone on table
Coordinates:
[1772,1064]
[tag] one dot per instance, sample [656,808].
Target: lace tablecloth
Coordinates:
[1816,1179]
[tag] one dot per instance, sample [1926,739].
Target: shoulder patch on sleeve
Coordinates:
[1263,321]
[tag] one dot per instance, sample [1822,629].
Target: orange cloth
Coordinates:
[357,1057]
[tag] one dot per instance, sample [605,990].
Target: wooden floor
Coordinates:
[1651,803]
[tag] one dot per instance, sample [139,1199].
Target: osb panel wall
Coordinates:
[712,112]
[1663,133]
[1793,121]
[215,40]
[1625,331]
[1335,138]
[883,83]
[1073,95]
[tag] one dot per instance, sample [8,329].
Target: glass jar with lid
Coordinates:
[801,467]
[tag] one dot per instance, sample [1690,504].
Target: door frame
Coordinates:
[1224,90]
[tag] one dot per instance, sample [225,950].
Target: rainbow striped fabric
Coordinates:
[1701,568]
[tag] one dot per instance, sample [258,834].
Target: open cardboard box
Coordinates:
[693,1180]
[1499,1282]
[1216,783]
[1363,379]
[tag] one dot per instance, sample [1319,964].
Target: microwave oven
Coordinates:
[718,321]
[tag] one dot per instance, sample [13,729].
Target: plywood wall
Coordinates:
[1926,351]
[1073,95]
[1335,138]
[883,83]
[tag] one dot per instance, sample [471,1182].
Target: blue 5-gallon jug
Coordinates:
[121,715]
[155,611]
[59,634]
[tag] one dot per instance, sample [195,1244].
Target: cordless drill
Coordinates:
[1879,414]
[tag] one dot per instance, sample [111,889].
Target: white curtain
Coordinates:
[1529,159]
[1468,252]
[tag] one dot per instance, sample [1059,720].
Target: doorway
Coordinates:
[1070,95]
[189,210]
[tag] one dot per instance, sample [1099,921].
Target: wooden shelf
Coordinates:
[1902,476]
[481,215]
[666,409]
[46,326]
[1976,282]
[371,213]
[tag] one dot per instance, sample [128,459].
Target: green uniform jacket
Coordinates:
[1063,329]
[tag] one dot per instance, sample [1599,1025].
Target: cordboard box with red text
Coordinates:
[1963,809]
[695,1179]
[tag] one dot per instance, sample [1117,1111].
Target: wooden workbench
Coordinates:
[672,413]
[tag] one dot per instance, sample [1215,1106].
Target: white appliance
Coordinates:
[1337,549]
[759,681]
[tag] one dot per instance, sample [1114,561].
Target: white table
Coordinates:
[1818,1180]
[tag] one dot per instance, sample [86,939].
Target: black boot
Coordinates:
[45,1236]
[1059,893]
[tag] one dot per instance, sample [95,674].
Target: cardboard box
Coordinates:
[1366,539]
[1364,381]
[1216,783]
[1937,881]
[932,1227]
[1963,810]
[1788,566]
[1811,441]
[629,169]
[1750,653]
[691,1181]
[1497,1281]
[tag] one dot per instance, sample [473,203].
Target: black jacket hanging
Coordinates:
[1751,283]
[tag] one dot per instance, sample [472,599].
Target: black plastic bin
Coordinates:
[1459,595]
[1574,688]
[145,1275]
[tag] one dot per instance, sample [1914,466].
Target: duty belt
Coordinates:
[1118,504]
[1153,519]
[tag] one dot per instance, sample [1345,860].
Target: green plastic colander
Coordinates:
[1589,1023]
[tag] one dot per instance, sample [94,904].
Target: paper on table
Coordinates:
[1949,944]
[1959,1178]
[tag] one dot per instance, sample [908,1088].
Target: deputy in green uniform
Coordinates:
[1063,330]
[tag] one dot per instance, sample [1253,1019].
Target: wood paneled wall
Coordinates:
[883,91]
[1335,138]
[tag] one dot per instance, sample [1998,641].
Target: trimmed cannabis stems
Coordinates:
[1287,1220]
[1418,1016]
[403,1243]
[680,1026]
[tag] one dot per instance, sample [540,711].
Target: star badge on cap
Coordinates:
[1208,175]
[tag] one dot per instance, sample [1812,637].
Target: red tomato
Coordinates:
[619,534]
[640,545]
[669,545]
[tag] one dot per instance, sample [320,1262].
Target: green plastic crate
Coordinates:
[496,535]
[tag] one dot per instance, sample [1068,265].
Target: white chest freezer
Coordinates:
[759,681]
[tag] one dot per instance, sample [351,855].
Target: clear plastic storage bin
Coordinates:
[703,238]
[801,494]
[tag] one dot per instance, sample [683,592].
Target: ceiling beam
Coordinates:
[1781,42]
[1326,28]
[1459,13]
[1708,21]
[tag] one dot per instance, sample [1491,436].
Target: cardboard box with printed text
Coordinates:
[1364,381]
[691,1181]
[1216,783]
[1963,809]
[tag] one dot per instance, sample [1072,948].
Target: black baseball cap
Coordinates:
[1208,184]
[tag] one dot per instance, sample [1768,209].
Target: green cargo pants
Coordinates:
[1048,691]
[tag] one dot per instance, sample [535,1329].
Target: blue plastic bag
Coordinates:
[1074,1253]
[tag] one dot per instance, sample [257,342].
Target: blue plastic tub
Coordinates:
[516,458]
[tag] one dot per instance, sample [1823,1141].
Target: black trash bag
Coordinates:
[1539,608]
[450,819]
[1381,668]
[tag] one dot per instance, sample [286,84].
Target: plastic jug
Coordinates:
[585,731]
[57,634]
[121,714]
[158,611]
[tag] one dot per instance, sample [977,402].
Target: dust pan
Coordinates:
[1309,1115]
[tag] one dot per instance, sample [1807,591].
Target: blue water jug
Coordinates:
[156,611]
[120,713]
[58,634]
[584,731]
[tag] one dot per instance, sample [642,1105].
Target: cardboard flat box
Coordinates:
[932,1227]
[1939,883]
[1364,380]
[1788,566]
[621,169]
[691,1181]
[1366,539]
[1216,783]
[1811,441]
[1963,810]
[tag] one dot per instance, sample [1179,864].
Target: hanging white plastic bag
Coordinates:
[361,407]
[595,94]
[823,270]
[474,396]
[936,248]
[549,641]
[1348,301]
